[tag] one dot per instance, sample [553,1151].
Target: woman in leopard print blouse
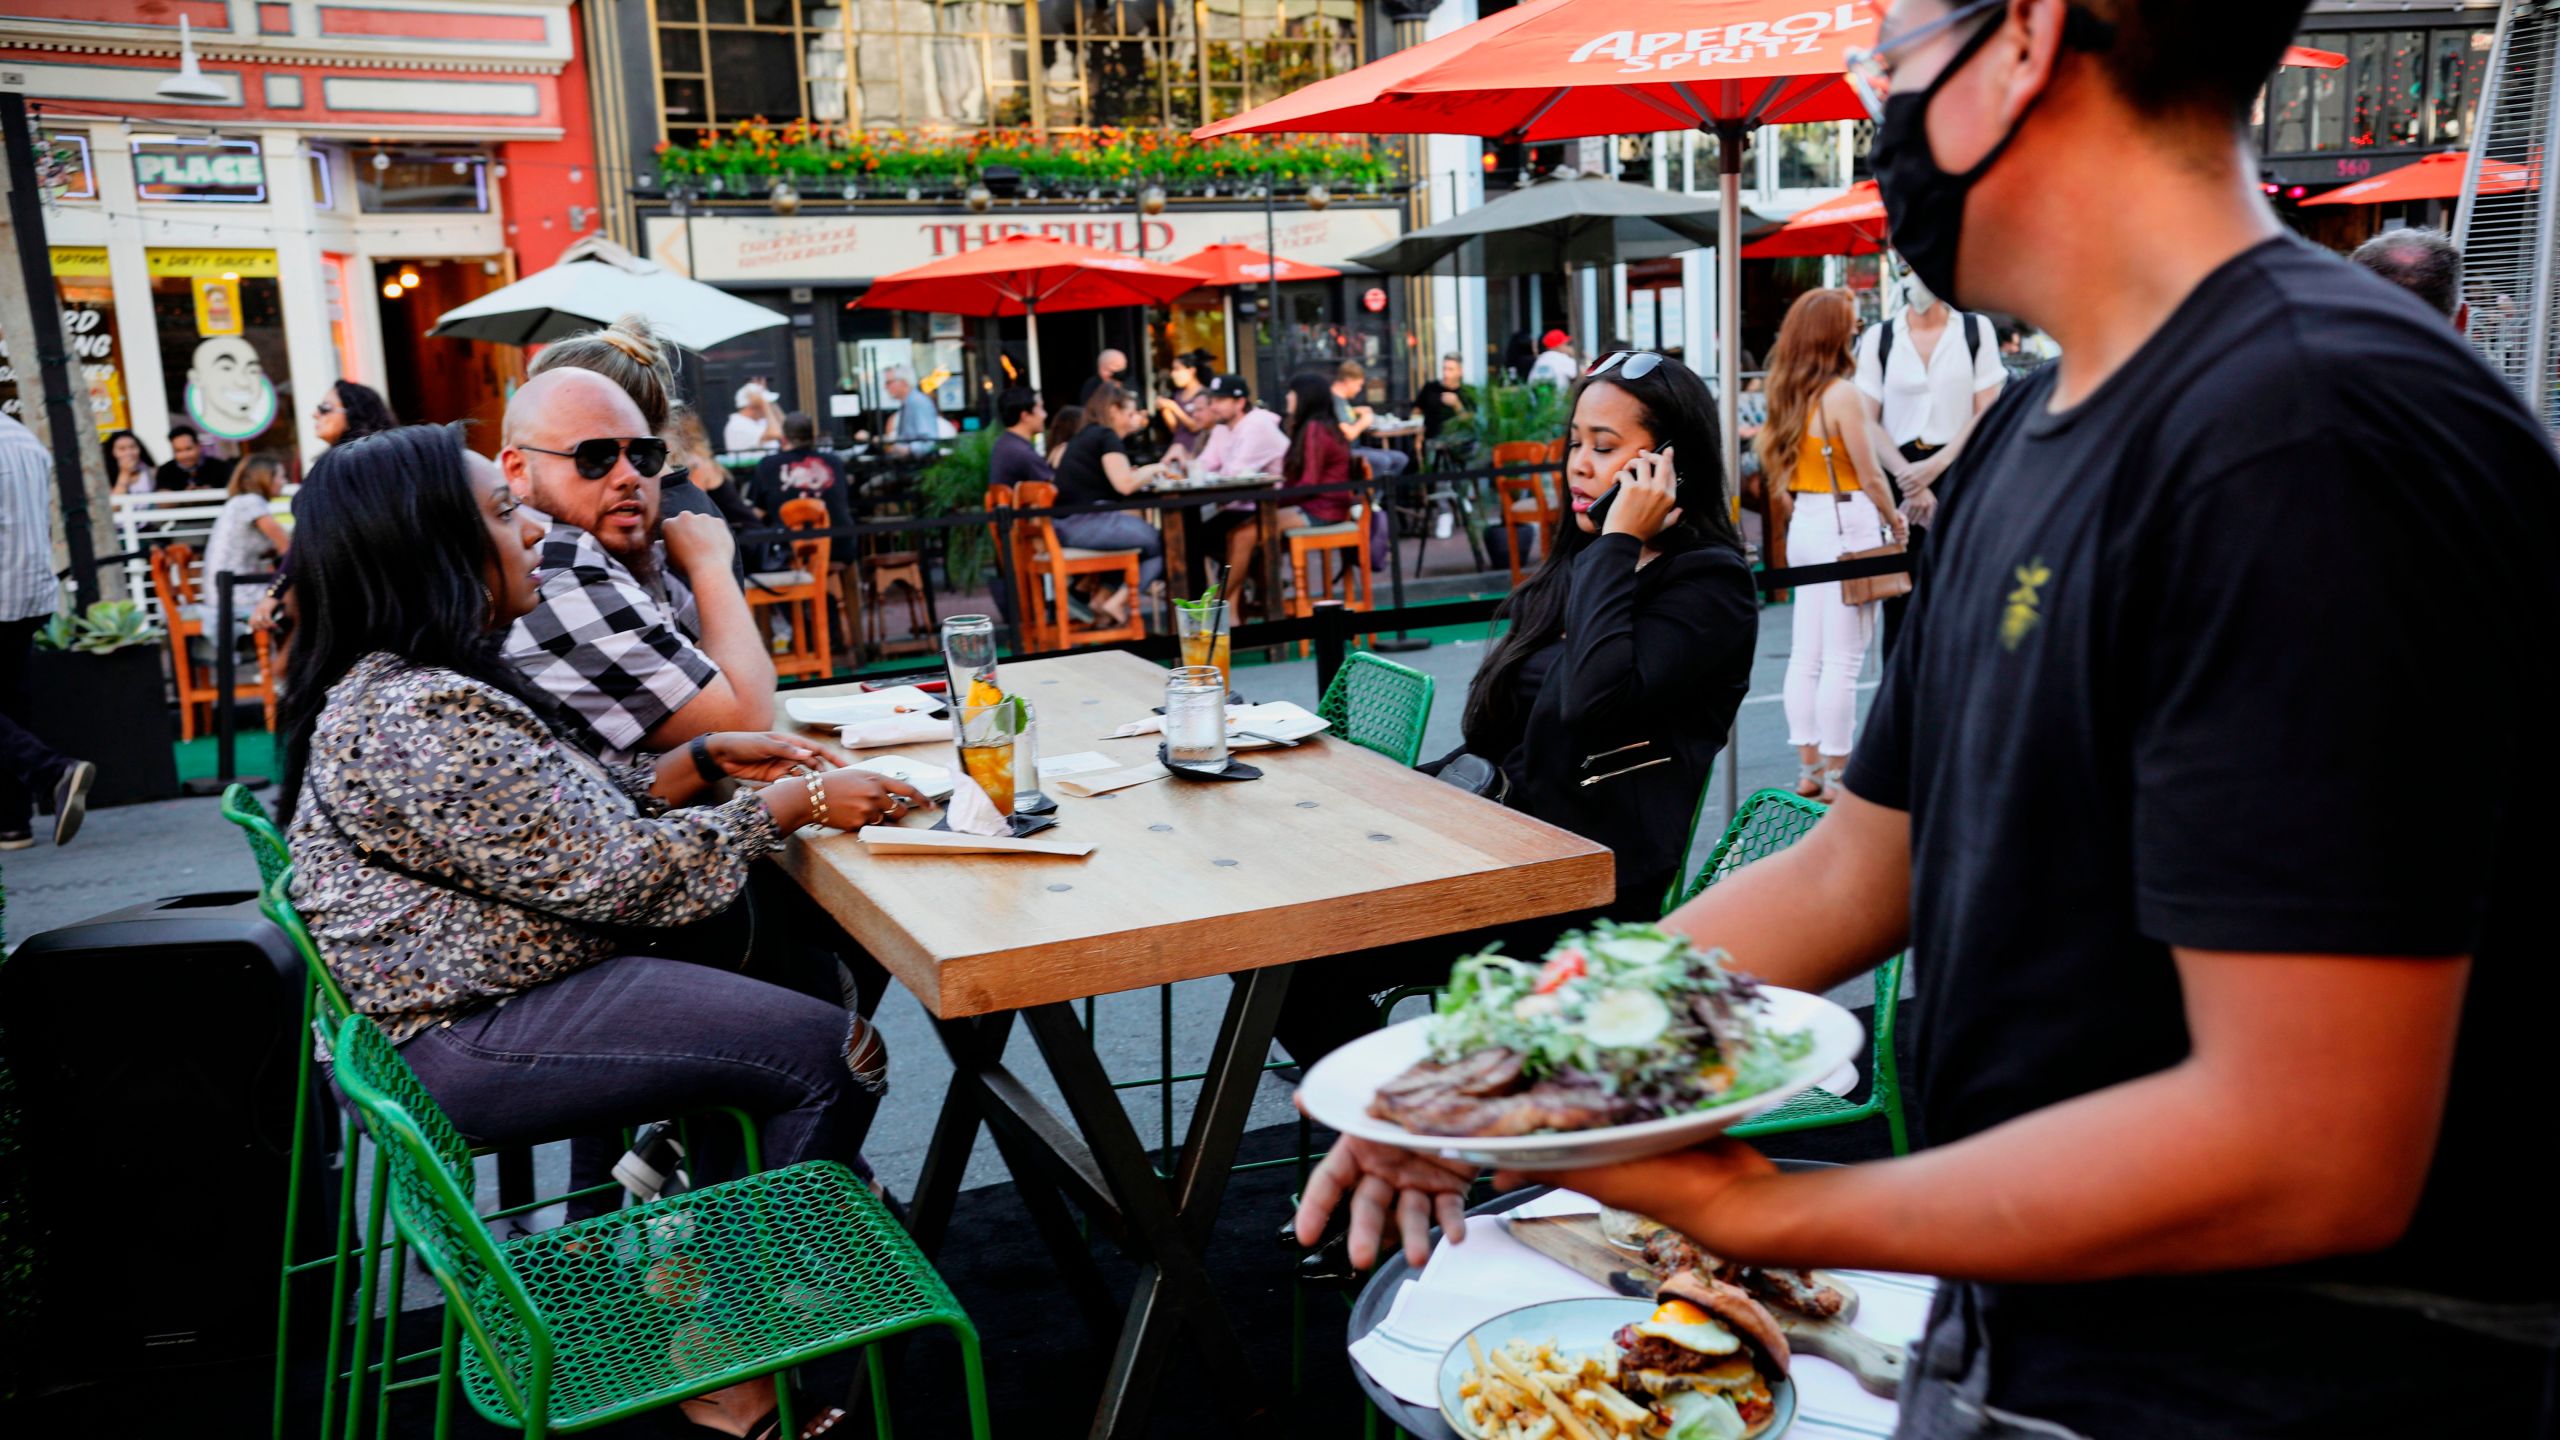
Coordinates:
[472,878]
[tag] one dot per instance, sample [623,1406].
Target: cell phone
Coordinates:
[1599,511]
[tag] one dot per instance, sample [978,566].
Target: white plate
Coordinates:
[825,712]
[1338,1090]
[1580,1326]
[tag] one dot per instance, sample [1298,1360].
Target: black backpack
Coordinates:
[1964,322]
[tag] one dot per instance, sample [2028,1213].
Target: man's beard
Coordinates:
[641,560]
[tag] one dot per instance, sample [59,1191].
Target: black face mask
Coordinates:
[1924,205]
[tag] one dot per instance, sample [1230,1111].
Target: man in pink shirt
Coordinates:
[1247,440]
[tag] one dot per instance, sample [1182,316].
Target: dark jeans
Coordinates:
[28,766]
[638,1038]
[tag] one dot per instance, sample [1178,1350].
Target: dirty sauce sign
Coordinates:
[1669,52]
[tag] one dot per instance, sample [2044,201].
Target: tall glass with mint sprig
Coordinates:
[1202,624]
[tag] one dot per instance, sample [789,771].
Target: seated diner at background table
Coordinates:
[480,885]
[2229,1093]
[1096,467]
[1063,427]
[1185,412]
[1602,708]
[1316,455]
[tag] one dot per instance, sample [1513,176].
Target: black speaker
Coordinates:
[153,1051]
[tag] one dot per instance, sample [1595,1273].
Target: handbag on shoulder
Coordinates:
[1865,588]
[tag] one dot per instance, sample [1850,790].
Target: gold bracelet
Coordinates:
[817,785]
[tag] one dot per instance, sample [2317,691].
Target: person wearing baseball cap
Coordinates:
[1555,364]
[757,422]
[1247,440]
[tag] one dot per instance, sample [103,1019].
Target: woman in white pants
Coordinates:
[1816,437]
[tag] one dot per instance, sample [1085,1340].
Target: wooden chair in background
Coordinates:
[1013,543]
[1059,564]
[176,578]
[800,593]
[1526,499]
[1345,542]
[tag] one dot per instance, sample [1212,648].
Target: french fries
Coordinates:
[1531,1392]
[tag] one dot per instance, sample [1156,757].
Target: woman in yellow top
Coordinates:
[1816,438]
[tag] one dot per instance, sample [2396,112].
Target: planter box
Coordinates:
[111,709]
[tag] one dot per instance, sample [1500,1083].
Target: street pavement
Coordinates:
[138,853]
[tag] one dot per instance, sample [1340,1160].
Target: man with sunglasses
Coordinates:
[2223,1020]
[643,633]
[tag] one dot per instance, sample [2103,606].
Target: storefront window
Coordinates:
[89,313]
[2399,90]
[1809,157]
[970,64]
[434,181]
[220,319]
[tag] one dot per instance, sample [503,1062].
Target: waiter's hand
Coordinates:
[1683,1189]
[1421,1189]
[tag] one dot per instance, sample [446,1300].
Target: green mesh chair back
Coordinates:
[1770,821]
[266,842]
[275,902]
[1379,705]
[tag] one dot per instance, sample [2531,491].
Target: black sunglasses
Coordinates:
[1637,364]
[595,458]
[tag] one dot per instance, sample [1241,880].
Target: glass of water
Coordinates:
[969,652]
[1195,718]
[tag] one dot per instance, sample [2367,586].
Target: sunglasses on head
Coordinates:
[1632,364]
[595,458]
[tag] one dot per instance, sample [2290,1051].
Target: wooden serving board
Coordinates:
[1576,1242]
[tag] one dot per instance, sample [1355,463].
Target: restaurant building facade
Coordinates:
[880,119]
[368,165]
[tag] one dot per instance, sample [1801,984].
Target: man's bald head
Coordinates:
[556,411]
[558,408]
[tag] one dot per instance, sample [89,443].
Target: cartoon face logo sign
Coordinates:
[228,393]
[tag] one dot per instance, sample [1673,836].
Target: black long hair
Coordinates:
[108,448]
[366,411]
[389,546]
[1314,394]
[1682,416]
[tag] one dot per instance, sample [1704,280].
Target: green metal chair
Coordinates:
[1770,821]
[645,1307]
[1379,705]
[266,842]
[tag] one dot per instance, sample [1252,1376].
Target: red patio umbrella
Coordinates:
[2303,57]
[1244,265]
[1562,69]
[2437,177]
[1026,275]
[1849,223]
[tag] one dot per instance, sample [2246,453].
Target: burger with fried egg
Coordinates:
[1706,1360]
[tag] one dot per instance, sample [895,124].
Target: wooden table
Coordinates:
[1336,849]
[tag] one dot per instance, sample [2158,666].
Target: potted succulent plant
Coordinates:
[95,689]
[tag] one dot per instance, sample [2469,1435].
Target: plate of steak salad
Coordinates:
[1622,1041]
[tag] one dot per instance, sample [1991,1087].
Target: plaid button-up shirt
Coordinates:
[618,654]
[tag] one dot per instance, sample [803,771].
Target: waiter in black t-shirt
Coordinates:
[2231,980]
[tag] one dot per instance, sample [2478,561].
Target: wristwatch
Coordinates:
[703,764]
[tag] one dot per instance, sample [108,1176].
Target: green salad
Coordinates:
[1634,1012]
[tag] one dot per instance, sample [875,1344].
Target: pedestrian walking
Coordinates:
[1817,439]
[29,768]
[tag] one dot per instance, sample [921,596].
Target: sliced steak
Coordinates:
[1467,1099]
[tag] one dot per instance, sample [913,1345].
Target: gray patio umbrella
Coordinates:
[1559,224]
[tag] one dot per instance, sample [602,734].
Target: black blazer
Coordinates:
[1624,732]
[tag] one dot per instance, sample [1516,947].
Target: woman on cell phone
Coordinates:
[1602,708]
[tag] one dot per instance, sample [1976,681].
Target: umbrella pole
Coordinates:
[1031,330]
[1729,135]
